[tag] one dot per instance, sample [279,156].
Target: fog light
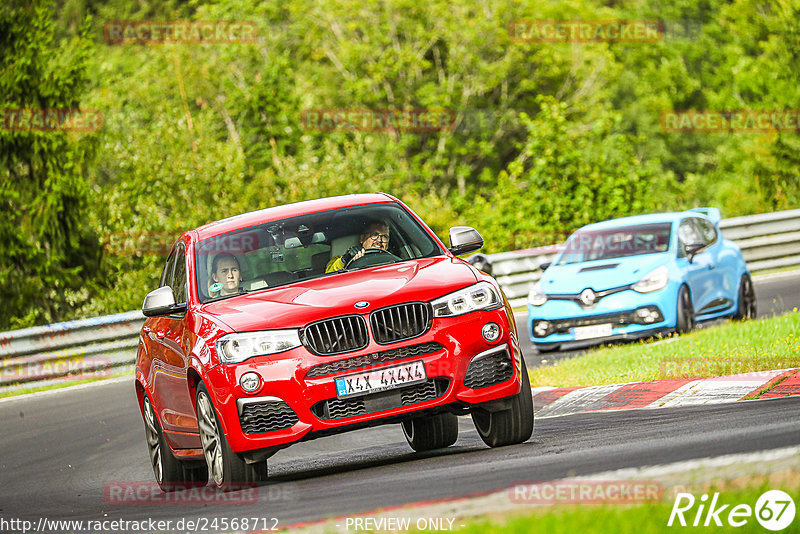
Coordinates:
[250,381]
[541,329]
[491,332]
[648,315]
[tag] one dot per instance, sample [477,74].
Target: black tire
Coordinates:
[171,474]
[544,348]
[685,310]
[511,426]
[747,306]
[228,470]
[432,432]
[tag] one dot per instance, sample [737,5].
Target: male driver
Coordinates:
[226,276]
[376,235]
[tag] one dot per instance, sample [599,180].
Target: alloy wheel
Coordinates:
[209,435]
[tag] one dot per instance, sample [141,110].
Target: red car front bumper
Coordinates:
[290,378]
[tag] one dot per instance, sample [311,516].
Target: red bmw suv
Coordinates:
[309,319]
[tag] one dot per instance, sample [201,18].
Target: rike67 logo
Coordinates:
[774,510]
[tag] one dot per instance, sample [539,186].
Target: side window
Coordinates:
[179,276]
[707,230]
[687,234]
[166,274]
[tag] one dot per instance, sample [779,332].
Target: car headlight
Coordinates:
[235,348]
[481,296]
[653,281]
[536,296]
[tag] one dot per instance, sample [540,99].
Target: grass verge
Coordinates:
[640,519]
[66,382]
[724,349]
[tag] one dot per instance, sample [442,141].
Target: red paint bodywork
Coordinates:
[176,352]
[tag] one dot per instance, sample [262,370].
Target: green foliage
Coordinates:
[48,256]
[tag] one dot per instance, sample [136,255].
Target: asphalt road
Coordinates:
[776,294]
[61,451]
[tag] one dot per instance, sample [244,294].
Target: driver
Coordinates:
[375,236]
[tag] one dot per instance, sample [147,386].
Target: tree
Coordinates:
[48,255]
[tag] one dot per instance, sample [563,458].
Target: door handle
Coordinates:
[710,266]
[160,335]
[146,329]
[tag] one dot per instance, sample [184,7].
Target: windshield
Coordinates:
[610,243]
[285,251]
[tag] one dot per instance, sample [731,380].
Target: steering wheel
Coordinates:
[372,256]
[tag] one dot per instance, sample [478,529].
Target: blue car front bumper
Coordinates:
[624,315]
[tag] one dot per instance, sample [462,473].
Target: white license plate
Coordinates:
[591,332]
[380,379]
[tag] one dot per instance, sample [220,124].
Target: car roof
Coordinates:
[669,217]
[245,220]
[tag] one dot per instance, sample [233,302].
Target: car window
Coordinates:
[610,243]
[285,251]
[688,232]
[707,230]
[179,276]
[166,274]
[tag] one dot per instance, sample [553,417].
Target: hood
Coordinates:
[599,274]
[296,305]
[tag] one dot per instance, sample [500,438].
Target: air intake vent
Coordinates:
[397,323]
[267,417]
[335,336]
[489,370]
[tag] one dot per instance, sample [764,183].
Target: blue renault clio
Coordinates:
[637,277]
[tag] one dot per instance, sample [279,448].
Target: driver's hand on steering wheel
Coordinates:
[353,253]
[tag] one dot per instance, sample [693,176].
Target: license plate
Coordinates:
[380,379]
[590,332]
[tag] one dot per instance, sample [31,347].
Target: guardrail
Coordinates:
[68,352]
[88,348]
[768,241]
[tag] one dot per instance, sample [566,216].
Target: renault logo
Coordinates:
[361,304]
[588,297]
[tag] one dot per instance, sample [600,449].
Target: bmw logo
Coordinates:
[361,305]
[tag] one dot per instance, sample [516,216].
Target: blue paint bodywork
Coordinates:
[712,277]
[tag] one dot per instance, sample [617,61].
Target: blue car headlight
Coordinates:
[652,281]
[536,296]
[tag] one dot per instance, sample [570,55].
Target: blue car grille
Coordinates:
[562,326]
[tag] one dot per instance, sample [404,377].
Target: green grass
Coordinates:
[60,385]
[632,519]
[724,349]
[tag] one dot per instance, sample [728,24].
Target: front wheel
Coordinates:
[170,473]
[747,308]
[433,432]
[228,470]
[510,426]
[685,310]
